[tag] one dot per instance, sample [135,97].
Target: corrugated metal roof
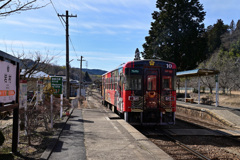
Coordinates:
[36,74]
[197,72]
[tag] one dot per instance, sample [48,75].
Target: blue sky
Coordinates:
[106,32]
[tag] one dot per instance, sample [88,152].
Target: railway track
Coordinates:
[199,146]
[172,143]
[194,152]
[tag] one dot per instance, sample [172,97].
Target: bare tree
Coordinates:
[37,63]
[209,82]
[9,7]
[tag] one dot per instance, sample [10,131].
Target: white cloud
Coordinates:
[18,43]
[13,22]
[130,25]
[107,6]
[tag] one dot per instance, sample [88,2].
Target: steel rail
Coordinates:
[199,155]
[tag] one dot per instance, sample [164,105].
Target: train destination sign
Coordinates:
[7,82]
[56,83]
[134,71]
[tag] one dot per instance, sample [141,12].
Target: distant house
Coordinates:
[98,83]
[32,81]
[36,74]
[46,80]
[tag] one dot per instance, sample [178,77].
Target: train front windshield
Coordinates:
[133,79]
[133,82]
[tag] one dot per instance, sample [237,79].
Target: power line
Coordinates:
[73,46]
[57,13]
[61,20]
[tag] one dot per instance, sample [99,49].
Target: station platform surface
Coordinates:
[225,114]
[96,133]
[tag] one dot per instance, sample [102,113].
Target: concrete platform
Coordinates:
[226,115]
[95,133]
[107,138]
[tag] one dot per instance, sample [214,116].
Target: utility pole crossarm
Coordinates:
[62,15]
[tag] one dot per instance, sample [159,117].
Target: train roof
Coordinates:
[141,62]
[148,60]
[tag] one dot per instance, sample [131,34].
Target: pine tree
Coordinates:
[232,26]
[137,55]
[87,78]
[214,34]
[238,25]
[176,33]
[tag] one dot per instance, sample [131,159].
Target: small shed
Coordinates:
[198,73]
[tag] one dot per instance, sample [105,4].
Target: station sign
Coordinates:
[7,82]
[56,83]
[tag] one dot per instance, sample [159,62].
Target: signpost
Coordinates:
[23,100]
[9,91]
[57,83]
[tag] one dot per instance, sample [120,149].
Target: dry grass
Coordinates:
[227,100]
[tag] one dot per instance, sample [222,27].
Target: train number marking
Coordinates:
[169,65]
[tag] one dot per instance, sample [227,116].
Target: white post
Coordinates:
[198,89]
[61,106]
[185,88]
[51,111]
[37,97]
[217,89]
[25,115]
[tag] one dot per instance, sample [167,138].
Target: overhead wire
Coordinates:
[59,54]
[71,7]
[63,26]
[57,14]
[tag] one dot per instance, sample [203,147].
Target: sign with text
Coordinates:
[7,82]
[56,83]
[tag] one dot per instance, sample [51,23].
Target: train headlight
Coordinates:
[133,98]
[169,98]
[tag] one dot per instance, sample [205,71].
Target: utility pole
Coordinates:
[80,79]
[67,50]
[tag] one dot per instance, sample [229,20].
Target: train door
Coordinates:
[151,89]
[120,92]
[168,97]
[151,95]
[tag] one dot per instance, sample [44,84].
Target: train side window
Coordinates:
[151,82]
[167,82]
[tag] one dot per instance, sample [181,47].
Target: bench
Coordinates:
[190,100]
[206,100]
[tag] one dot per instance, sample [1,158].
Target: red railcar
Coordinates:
[142,91]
